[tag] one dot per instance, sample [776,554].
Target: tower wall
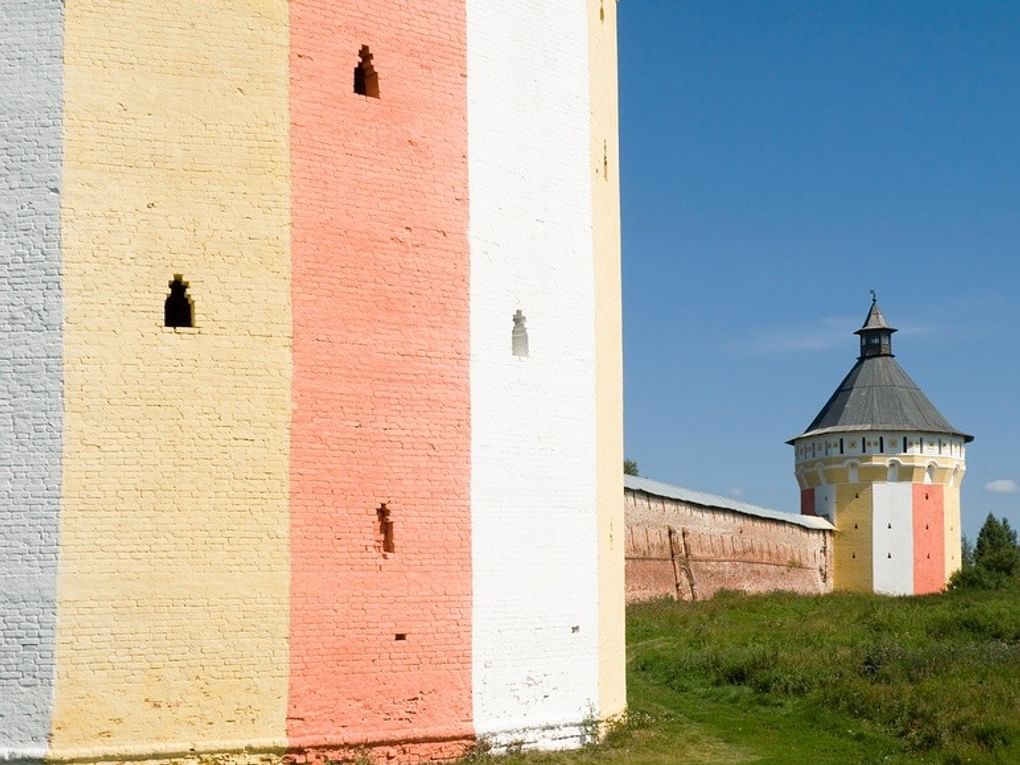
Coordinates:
[893,538]
[174,568]
[534,470]
[929,537]
[953,526]
[853,546]
[342,511]
[31,361]
[605,164]
[896,509]
[380,638]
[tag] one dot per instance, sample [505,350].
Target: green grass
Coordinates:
[841,679]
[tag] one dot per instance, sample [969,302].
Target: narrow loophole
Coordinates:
[178,308]
[366,80]
[519,336]
[386,529]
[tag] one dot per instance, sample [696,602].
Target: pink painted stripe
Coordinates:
[380,641]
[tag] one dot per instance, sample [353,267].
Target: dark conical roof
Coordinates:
[875,319]
[878,394]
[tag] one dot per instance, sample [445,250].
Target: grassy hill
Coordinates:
[840,679]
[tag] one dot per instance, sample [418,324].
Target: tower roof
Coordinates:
[878,394]
[875,318]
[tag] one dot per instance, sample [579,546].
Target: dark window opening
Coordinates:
[841,446]
[881,443]
[400,636]
[178,309]
[366,80]
[386,528]
[904,444]
[519,336]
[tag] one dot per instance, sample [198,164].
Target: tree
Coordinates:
[966,552]
[996,548]
[630,467]
[995,559]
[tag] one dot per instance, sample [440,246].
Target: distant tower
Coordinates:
[883,465]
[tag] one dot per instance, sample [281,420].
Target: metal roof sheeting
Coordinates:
[659,489]
[878,394]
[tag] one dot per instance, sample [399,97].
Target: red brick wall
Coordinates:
[380,306]
[714,549]
[807,501]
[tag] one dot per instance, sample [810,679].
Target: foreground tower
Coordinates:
[310,409]
[883,465]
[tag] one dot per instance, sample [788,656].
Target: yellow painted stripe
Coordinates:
[951,522]
[608,353]
[852,549]
[174,571]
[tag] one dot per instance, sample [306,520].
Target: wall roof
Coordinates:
[668,491]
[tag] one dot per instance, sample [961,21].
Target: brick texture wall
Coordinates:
[533,489]
[174,556]
[31,385]
[195,558]
[381,396]
[689,551]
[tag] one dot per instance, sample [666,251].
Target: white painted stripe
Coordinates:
[533,483]
[893,538]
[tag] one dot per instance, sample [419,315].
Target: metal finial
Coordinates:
[874,297]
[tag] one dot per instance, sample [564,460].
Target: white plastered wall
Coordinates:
[825,502]
[533,484]
[893,532]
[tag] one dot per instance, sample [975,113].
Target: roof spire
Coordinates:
[875,333]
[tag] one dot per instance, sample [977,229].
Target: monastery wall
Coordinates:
[687,550]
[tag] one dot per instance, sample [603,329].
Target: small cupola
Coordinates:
[876,334]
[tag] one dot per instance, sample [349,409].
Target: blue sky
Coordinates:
[780,159]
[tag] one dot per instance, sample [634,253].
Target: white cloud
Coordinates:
[735,492]
[827,332]
[817,335]
[1002,486]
